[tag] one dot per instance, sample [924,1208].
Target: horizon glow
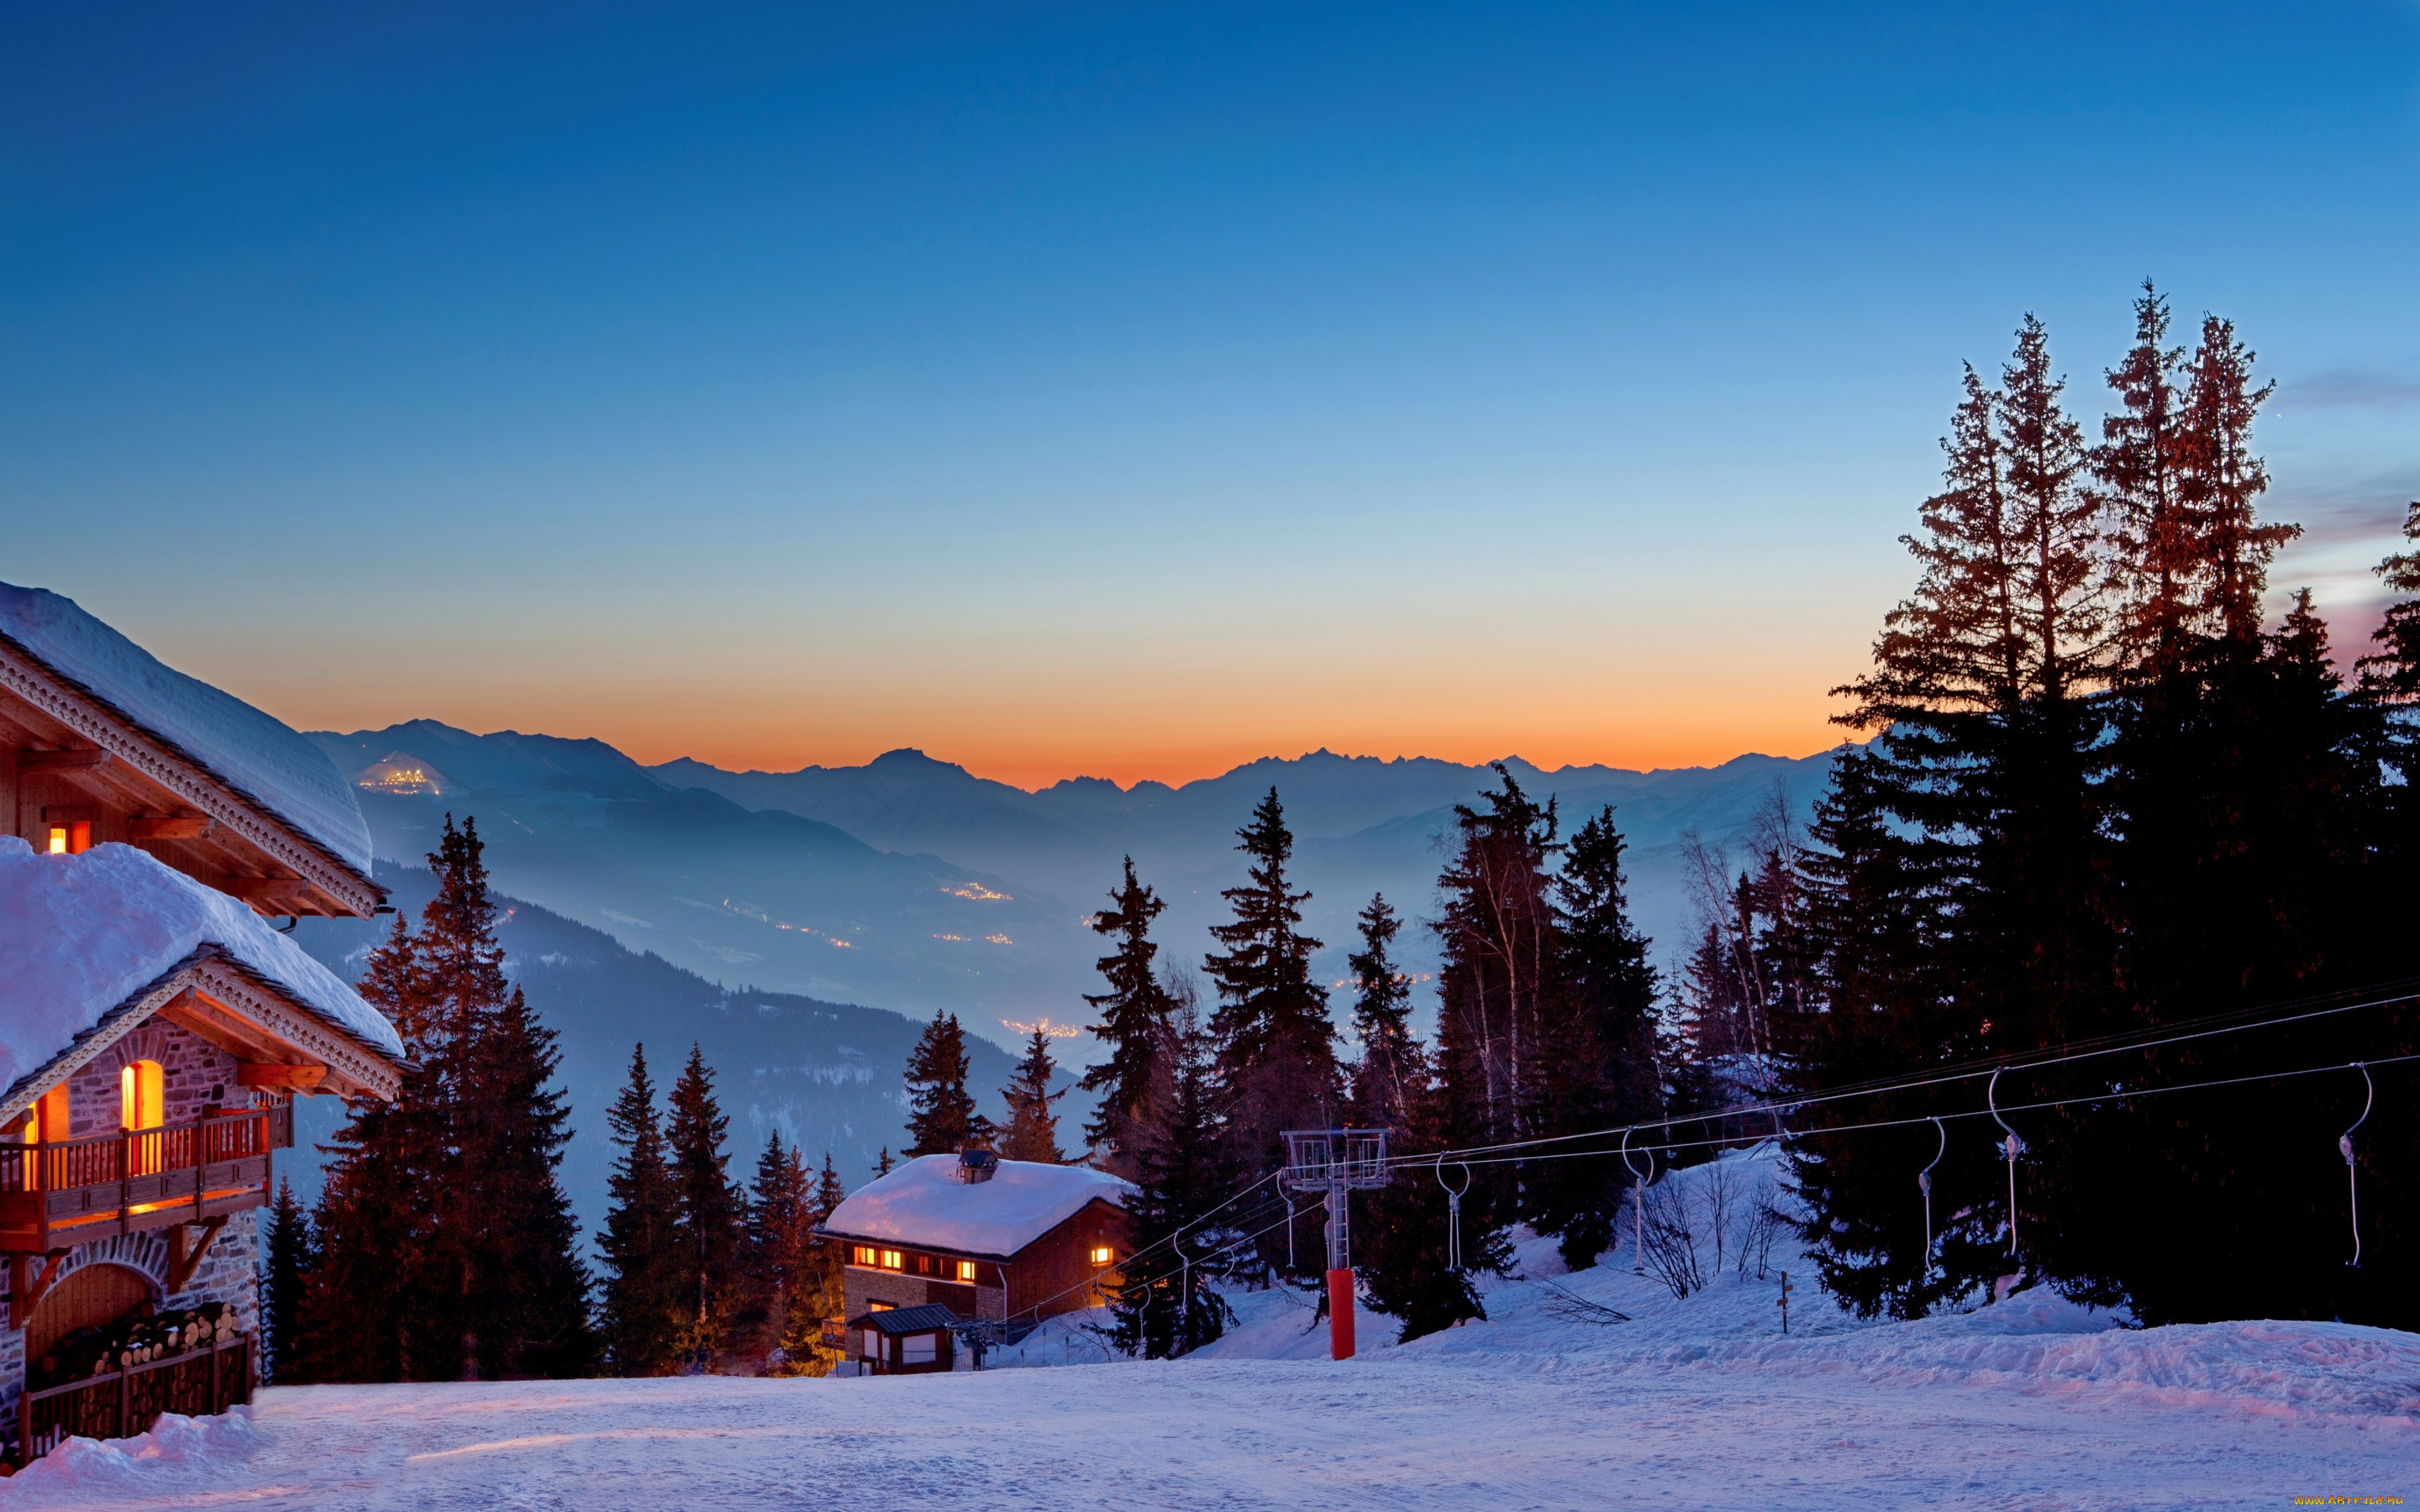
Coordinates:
[1072,390]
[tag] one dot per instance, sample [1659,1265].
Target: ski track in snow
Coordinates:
[2033,1403]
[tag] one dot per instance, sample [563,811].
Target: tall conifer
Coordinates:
[942,1116]
[1133,1024]
[641,1317]
[1033,1127]
[1277,1049]
[709,1208]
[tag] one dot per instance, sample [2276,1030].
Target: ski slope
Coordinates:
[1691,1403]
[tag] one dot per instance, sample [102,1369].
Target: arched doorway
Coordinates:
[100,1293]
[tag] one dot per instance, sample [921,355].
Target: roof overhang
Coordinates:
[895,1242]
[241,1013]
[322,883]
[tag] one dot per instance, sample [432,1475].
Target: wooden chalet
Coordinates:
[154,1026]
[1003,1241]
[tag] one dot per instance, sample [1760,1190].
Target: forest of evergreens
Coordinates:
[2120,828]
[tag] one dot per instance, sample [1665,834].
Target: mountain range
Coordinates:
[800,925]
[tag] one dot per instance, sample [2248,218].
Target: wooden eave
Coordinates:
[183,813]
[235,1009]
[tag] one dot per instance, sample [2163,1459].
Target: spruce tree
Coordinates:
[366,1305]
[709,1209]
[1133,1024]
[884,1163]
[1164,1306]
[641,1317]
[2392,676]
[1599,1067]
[1033,1127]
[1276,1062]
[528,1301]
[1392,1068]
[828,1189]
[942,1116]
[777,1237]
[288,1257]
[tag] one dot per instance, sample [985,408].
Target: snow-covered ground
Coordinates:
[1695,1403]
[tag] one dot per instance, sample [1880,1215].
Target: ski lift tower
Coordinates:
[1334,1162]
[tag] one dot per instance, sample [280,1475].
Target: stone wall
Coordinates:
[230,1273]
[196,1076]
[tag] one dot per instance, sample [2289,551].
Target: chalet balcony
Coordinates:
[70,1191]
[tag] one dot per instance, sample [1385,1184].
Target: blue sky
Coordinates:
[1131,390]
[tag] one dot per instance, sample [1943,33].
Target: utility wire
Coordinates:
[1883,1087]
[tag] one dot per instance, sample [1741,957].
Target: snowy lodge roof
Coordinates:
[85,936]
[252,752]
[923,1203]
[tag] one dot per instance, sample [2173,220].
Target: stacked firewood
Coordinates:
[136,1340]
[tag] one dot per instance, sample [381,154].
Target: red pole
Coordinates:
[1340,1314]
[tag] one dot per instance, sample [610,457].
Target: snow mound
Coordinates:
[924,1203]
[126,1465]
[251,752]
[84,934]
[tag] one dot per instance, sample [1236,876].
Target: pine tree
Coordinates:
[1968,831]
[709,1210]
[528,1291]
[778,1239]
[827,1188]
[447,1246]
[2392,676]
[1277,1049]
[641,1317]
[1033,1127]
[1392,1067]
[942,1116]
[366,1313]
[1164,1306]
[1599,1040]
[290,1257]
[884,1162]
[1134,1025]
[2141,463]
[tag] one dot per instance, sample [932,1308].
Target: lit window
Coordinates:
[140,1107]
[861,1255]
[893,1261]
[74,837]
[1100,1255]
[966,1269]
[880,1306]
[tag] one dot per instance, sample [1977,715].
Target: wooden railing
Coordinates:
[197,1168]
[123,1403]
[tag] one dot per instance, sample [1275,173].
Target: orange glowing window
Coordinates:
[143,1106]
[893,1261]
[861,1255]
[50,1119]
[73,838]
[966,1269]
[1101,1254]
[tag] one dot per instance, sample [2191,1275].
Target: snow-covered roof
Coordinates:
[81,935]
[924,1203]
[252,752]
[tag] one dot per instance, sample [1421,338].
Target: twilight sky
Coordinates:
[1131,390]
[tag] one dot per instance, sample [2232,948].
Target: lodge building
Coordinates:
[949,1240]
[155,1026]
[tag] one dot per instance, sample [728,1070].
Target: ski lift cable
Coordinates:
[2352,1173]
[1804,1135]
[1882,1087]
